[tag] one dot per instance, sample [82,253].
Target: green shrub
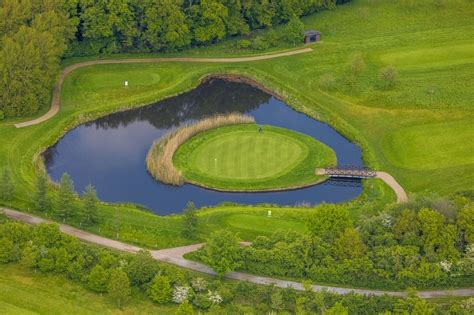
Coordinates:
[260,43]
[243,44]
[2,115]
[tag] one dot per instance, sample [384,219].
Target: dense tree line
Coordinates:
[44,248]
[36,34]
[425,244]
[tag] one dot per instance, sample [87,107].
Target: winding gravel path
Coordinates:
[175,256]
[55,102]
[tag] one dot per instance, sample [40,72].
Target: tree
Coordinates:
[142,268]
[89,206]
[166,27]
[221,252]
[294,30]
[6,186]
[65,208]
[109,24]
[209,18]
[41,201]
[235,22]
[6,252]
[388,77]
[328,221]
[190,221]
[160,290]
[98,279]
[119,287]
[465,224]
[349,245]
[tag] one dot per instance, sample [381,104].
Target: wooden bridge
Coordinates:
[348,171]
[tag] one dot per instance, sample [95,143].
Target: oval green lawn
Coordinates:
[240,158]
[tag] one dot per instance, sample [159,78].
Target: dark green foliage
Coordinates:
[46,249]
[294,30]
[400,248]
[89,206]
[66,205]
[190,221]
[6,186]
[142,268]
[41,201]
[119,287]
[97,279]
[221,252]
[160,290]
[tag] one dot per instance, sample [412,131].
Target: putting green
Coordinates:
[241,158]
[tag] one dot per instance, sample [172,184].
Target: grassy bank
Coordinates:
[252,158]
[27,292]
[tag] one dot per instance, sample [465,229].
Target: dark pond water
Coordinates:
[110,152]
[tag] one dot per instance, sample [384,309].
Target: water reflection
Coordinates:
[110,152]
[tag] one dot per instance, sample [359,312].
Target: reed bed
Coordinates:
[159,159]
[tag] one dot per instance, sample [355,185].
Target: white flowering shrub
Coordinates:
[180,294]
[214,297]
[446,265]
[199,284]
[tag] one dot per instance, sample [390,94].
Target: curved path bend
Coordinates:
[175,256]
[55,102]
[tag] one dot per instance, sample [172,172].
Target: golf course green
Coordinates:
[248,157]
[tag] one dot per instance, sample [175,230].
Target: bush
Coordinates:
[388,77]
[259,43]
[243,44]
[2,115]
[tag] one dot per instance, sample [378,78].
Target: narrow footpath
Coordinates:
[56,99]
[175,256]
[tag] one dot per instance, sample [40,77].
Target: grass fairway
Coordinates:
[243,158]
[26,292]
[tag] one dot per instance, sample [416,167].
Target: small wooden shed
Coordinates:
[312,36]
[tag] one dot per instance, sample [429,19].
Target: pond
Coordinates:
[110,152]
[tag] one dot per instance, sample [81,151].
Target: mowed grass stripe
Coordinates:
[242,158]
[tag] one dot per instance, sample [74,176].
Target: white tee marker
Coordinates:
[126,83]
[269,214]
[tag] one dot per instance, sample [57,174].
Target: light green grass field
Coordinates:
[243,158]
[431,98]
[25,292]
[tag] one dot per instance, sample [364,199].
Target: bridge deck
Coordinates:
[349,172]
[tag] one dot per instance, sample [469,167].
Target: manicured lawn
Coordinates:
[431,100]
[243,158]
[27,292]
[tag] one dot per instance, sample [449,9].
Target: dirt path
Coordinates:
[175,256]
[399,191]
[55,102]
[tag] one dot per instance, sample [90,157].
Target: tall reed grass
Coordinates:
[159,159]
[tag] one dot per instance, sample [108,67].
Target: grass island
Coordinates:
[248,157]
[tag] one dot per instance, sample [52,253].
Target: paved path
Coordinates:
[175,256]
[55,102]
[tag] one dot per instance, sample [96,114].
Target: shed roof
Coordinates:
[311,32]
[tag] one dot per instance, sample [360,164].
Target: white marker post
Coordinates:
[269,214]
[126,83]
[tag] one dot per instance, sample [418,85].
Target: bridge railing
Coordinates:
[350,171]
